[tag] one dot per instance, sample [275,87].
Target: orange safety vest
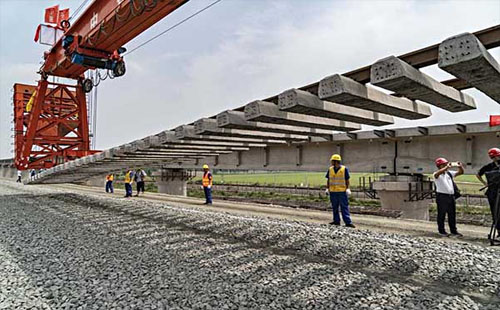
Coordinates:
[110,177]
[207,179]
[336,181]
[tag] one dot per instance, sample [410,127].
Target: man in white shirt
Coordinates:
[19,176]
[445,195]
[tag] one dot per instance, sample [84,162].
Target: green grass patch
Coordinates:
[307,179]
[319,198]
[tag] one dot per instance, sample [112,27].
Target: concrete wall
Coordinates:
[414,154]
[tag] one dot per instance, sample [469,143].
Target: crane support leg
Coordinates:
[54,126]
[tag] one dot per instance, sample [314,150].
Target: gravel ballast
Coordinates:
[68,250]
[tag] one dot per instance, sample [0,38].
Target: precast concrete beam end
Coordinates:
[465,57]
[396,75]
[303,102]
[349,92]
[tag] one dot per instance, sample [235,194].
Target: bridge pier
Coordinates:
[173,181]
[394,194]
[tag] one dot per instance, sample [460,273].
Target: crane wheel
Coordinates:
[87,85]
[119,69]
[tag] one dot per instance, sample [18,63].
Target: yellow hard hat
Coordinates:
[336,157]
[205,166]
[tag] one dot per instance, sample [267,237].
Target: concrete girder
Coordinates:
[465,57]
[394,74]
[236,120]
[161,157]
[270,113]
[187,132]
[176,152]
[209,126]
[168,138]
[200,147]
[346,91]
[303,102]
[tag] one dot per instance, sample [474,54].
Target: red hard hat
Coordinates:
[440,161]
[494,152]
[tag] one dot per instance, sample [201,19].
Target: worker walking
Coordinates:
[109,183]
[492,190]
[207,181]
[19,176]
[140,175]
[129,179]
[446,194]
[338,189]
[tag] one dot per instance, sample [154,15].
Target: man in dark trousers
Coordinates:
[445,195]
[492,190]
[140,176]
[337,185]
[207,181]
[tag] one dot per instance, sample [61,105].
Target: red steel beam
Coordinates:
[490,37]
[107,25]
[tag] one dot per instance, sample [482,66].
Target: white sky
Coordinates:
[239,51]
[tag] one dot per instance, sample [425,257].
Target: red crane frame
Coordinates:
[55,129]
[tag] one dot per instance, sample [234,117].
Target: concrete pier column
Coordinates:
[172,181]
[394,196]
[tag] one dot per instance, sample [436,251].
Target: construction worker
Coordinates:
[446,195]
[140,175]
[129,179]
[19,176]
[109,183]
[338,189]
[207,181]
[492,191]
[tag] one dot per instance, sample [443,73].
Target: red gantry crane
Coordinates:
[50,119]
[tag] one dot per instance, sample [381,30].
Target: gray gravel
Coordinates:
[82,251]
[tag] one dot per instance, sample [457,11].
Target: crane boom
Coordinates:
[50,119]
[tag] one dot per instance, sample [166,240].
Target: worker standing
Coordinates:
[207,181]
[109,183]
[129,179]
[492,190]
[140,176]
[19,176]
[338,189]
[446,195]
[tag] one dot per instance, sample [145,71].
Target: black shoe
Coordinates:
[444,234]
[333,223]
[457,234]
[350,225]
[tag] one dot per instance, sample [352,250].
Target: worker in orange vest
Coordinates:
[109,183]
[207,184]
[338,189]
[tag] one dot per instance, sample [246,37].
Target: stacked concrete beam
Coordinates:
[270,113]
[168,138]
[236,120]
[465,57]
[394,74]
[187,132]
[346,91]
[303,102]
[208,126]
